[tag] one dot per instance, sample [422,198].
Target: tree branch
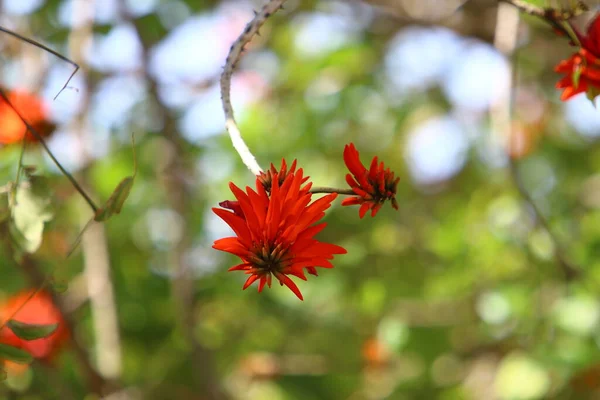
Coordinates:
[526,7]
[551,14]
[234,56]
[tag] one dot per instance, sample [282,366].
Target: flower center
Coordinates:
[269,257]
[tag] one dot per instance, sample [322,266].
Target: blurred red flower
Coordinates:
[275,232]
[40,309]
[33,109]
[266,178]
[582,69]
[373,186]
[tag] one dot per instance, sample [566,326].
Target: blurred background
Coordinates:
[461,294]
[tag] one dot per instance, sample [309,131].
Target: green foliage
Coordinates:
[115,202]
[14,354]
[31,331]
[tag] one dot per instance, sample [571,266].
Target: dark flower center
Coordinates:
[268,257]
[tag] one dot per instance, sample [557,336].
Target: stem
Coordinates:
[41,140]
[234,56]
[568,270]
[527,7]
[324,189]
[555,17]
[19,168]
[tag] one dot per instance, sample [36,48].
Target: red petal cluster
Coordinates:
[373,186]
[39,309]
[33,109]
[266,178]
[275,231]
[582,69]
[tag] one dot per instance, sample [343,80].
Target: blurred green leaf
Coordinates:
[31,331]
[13,354]
[115,201]
[117,198]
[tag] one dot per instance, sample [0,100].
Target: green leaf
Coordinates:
[115,201]
[31,331]
[119,195]
[13,354]
[29,214]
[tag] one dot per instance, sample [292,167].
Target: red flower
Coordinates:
[582,69]
[373,186]
[266,178]
[33,110]
[275,233]
[40,309]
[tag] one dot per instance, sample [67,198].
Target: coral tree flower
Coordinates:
[373,186]
[33,109]
[40,309]
[275,231]
[582,69]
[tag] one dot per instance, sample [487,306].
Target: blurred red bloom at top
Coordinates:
[373,186]
[275,232]
[33,109]
[40,309]
[266,178]
[582,69]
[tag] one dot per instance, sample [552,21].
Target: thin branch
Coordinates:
[527,7]
[505,41]
[549,13]
[323,189]
[49,50]
[41,140]
[234,56]
[569,271]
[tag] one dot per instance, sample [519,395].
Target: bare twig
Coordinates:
[505,41]
[235,53]
[49,50]
[41,140]
[549,13]
[526,7]
[569,271]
